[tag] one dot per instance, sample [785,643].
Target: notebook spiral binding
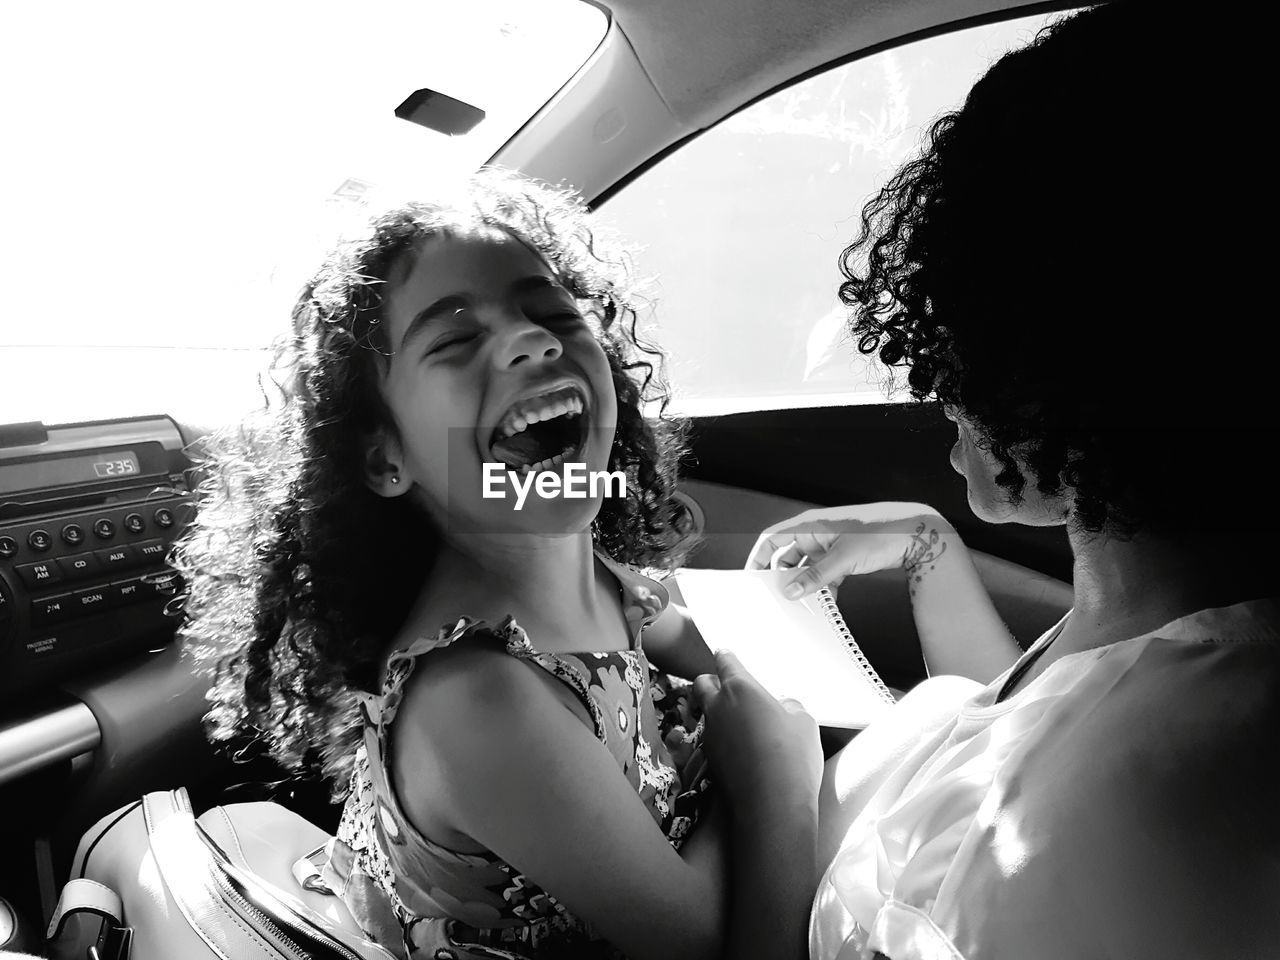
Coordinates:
[827,601]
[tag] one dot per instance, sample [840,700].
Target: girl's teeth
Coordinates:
[570,405]
[548,464]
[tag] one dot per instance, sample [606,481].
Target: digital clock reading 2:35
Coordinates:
[119,466]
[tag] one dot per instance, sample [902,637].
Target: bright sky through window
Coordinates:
[173,170]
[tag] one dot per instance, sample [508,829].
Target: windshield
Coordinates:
[174,171]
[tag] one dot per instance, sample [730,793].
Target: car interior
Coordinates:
[717,135]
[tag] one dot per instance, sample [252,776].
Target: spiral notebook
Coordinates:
[797,648]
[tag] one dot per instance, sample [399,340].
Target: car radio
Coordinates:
[88,512]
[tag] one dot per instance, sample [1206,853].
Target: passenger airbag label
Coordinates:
[37,647]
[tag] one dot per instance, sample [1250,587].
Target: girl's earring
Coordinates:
[395,478]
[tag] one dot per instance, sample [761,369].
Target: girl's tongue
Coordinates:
[544,440]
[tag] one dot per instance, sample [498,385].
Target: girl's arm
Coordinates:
[960,631]
[506,763]
[672,642]
[768,757]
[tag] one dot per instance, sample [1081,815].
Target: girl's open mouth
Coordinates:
[542,432]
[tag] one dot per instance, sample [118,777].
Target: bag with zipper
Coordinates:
[151,882]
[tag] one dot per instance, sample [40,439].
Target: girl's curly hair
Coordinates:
[299,575]
[1052,261]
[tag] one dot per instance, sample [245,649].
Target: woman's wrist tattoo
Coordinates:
[922,555]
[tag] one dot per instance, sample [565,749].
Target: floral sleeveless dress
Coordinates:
[427,902]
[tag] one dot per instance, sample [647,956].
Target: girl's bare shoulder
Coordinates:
[468,691]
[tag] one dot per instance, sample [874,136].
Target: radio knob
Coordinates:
[73,534]
[104,528]
[39,540]
[164,517]
[8,547]
[134,523]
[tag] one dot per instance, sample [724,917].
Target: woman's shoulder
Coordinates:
[1171,709]
[1148,790]
[1201,718]
[1174,751]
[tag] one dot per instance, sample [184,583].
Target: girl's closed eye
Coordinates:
[562,319]
[449,342]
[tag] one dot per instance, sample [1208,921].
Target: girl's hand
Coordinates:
[837,542]
[766,756]
[760,748]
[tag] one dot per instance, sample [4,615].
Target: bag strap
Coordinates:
[234,913]
[82,894]
[183,862]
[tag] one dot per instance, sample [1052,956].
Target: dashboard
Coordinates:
[88,514]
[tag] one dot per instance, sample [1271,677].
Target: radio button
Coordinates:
[92,599]
[39,574]
[73,534]
[163,517]
[116,557]
[8,547]
[127,591]
[39,540]
[78,565]
[147,586]
[151,550]
[134,523]
[161,583]
[52,609]
[104,528]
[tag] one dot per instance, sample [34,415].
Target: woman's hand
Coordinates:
[837,542]
[960,631]
[759,747]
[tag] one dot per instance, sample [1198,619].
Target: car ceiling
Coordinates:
[703,56]
[693,64]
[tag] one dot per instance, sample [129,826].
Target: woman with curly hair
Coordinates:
[470,674]
[1064,268]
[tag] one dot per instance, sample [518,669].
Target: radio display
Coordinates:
[107,465]
[119,465]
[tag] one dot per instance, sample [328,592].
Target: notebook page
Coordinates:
[789,645]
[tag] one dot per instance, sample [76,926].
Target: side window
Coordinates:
[742,227]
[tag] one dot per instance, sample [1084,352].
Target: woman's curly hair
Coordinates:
[299,575]
[1053,261]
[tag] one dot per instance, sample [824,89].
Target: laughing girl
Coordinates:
[472,675]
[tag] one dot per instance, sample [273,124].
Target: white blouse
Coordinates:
[1123,804]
